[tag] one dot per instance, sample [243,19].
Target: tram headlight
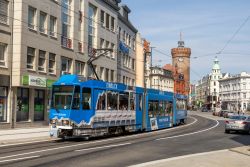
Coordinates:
[53,121]
[65,122]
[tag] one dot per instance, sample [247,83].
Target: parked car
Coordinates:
[228,114]
[204,110]
[221,113]
[237,123]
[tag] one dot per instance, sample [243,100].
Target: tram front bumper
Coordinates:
[57,131]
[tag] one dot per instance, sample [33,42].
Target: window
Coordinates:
[39,105]
[79,68]
[76,98]
[3,104]
[119,34]
[86,98]
[113,51]
[107,46]
[52,62]
[3,48]
[153,108]
[52,26]
[42,22]
[62,97]
[112,99]
[123,101]
[65,65]
[41,60]
[133,64]
[102,18]
[107,21]
[101,43]
[31,17]
[112,24]
[22,113]
[132,101]
[30,57]
[91,25]
[101,104]
[214,83]
[107,75]
[4,11]
[66,18]
[111,75]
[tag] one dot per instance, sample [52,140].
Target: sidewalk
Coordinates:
[23,135]
[223,158]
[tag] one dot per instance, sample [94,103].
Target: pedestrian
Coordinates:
[238,112]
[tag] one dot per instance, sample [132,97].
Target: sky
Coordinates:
[207,27]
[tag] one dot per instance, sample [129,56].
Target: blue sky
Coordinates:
[206,26]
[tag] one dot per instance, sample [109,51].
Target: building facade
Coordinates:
[161,79]
[47,39]
[235,92]
[207,89]
[126,65]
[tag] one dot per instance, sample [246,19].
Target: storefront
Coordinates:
[4,88]
[32,100]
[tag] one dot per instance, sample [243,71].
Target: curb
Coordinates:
[242,150]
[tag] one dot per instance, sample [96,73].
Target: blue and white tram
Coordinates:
[159,109]
[97,108]
[180,108]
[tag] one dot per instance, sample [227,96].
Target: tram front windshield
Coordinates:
[62,97]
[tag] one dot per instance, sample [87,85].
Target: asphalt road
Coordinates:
[198,135]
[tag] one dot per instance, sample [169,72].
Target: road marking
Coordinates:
[163,161]
[95,148]
[163,130]
[192,133]
[8,160]
[100,141]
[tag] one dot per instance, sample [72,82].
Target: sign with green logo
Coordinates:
[37,81]
[25,80]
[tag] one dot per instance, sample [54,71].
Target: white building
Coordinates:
[207,89]
[161,79]
[50,38]
[235,92]
[126,65]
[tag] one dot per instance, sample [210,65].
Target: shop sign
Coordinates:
[37,81]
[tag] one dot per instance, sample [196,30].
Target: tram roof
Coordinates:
[76,80]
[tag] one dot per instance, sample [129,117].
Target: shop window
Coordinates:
[39,105]
[3,104]
[22,104]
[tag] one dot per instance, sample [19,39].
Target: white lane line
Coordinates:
[100,141]
[23,158]
[109,146]
[192,133]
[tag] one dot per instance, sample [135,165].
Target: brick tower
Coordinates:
[181,62]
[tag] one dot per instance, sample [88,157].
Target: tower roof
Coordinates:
[216,65]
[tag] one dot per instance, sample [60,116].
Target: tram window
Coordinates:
[112,98]
[140,102]
[169,108]
[132,101]
[162,108]
[123,101]
[153,108]
[101,105]
[76,99]
[86,98]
